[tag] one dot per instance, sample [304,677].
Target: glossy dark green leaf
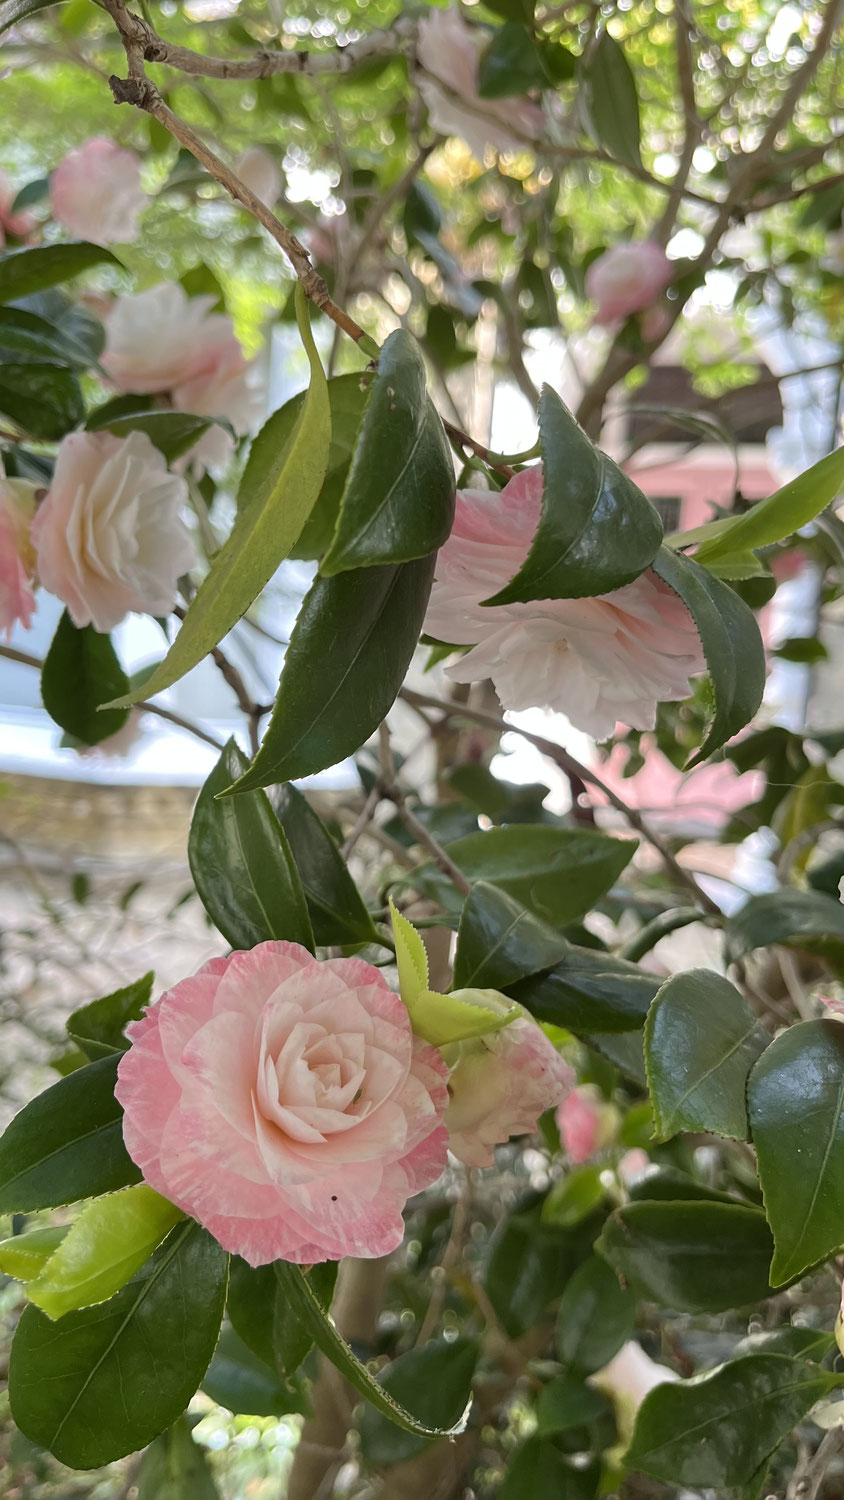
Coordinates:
[556,873]
[718,1429]
[38,266]
[304,1300]
[171,432]
[80,672]
[239,1380]
[590,991]
[666,1184]
[529,1264]
[398,503]
[337,910]
[25,333]
[174,1467]
[795,1099]
[98,1028]
[731,645]
[701,1040]
[435,1382]
[539,1471]
[347,395]
[43,398]
[106,1380]
[241,863]
[499,941]
[623,1049]
[797,919]
[596,1316]
[511,64]
[597,530]
[347,658]
[568,1402]
[611,100]
[691,1256]
[260,1312]
[67,1143]
[12,11]
[804,1343]
[278,490]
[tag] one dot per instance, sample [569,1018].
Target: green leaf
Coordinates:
[797,919]
[795,1099]
[36,267]
[597,530]
[436,1381]
[81,671]
[67,1143]
[398,503]
[337,909]
[556,873]
[174,1467]
[306,1304]
[611,100]
[239,1380]
[241,863]
[783,513]
[539,1471]
[596,1317]
[347,396]
[499,941]
[106,1380]
[12,11]
[25,333]
[573,1197]
[701,1040]
[411,958]
[104,1247]
[511,64]
[279,488]
[24,1255]
[261,1314]
[98,1028]
[529,1264]
[171,432]
[43,398]
[568,1402]
[346,661]
[590,991]
[692,1256]
[718,1429]
[731,645]
[441,1019]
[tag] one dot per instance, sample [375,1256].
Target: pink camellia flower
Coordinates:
[17,553]
[285,1104]
[228,388]
[633,1163]
[17,224]
[449,52]
[96,193]
[257,169]
[626,279]
[600,661]
[500,1085]
[109,537]
[580,1121]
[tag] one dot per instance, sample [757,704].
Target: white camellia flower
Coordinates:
[449,53]
[96,193]
[109,537]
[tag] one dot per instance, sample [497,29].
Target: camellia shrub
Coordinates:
[586,1213]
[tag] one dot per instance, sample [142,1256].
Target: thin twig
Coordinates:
[393,792]
[362,822]
[808,1477]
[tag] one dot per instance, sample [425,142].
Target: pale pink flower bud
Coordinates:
[599,661]
[109,536]
[586,1123]
[629,1377]
[96,193]
[256,168]
[500,1085]
[19,224]
[17,553]
[286,1104]
[448,52]
[626,279]
[633,1163]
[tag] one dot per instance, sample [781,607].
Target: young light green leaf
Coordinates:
[81,671]
[24,1255]
[597,530]
[701,1040]
[278,491]
[442,1019]
[731,645]
[102,1250]
[306,1304]
[35,267]
[411,957]
[795,1098]
[241,863]
[783,513]
[398,503]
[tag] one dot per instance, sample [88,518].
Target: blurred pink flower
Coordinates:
[17,553]
[228,388]
[109,536]
[600,661]
[626,279]
[633,1163]
[581,1123]
[96,193]
[449,52]
[500,1085]
[20,225]
[258,169]
[285,1104]
[703,799]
